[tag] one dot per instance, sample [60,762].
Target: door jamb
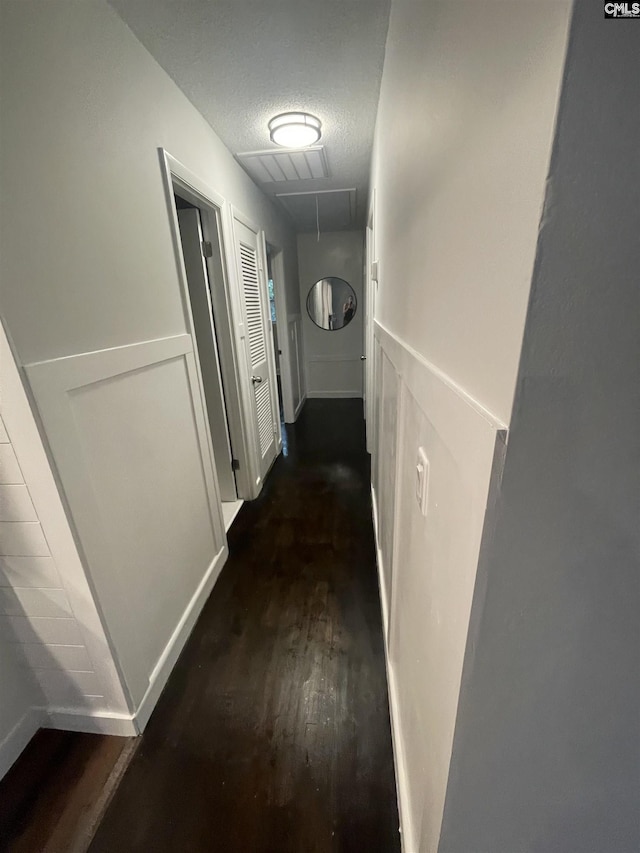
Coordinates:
[282,319]
[371,286]
[175,175]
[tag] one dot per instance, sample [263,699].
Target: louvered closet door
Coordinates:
[254,291]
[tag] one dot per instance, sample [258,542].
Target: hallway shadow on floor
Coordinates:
[273,735]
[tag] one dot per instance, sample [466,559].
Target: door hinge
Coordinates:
[235,465]
[207,249]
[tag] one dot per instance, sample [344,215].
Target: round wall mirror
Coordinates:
[331,303]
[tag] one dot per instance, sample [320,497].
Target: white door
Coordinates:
[259,348]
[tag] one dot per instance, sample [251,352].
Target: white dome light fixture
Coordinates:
[295,130]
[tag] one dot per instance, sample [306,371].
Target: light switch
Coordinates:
[422,480]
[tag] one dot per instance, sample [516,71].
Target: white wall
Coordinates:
[547,747]
[332,359]
[89,279]
[85,108]
[467,108]
[465,121]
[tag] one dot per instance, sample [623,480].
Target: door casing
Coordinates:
[217,229]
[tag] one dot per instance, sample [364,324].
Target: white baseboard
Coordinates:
[19,736]
[103,723]
[381,584]
[299,408]
[169,656]
[130,725]
[334,395]
[402,782]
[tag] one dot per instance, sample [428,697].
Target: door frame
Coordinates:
[371,286]
[214,209]
[282,318]
[234,214]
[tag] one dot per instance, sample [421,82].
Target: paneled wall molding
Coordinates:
[157,537]
[321,358]
[408,360]
[427,563]
[355,393]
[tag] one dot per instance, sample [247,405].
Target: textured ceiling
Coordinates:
[240,62]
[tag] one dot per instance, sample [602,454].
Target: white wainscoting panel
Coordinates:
[334,376]
[127,432]
[427,564]
[46,607]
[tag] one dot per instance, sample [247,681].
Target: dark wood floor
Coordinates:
[272,735]
[55,794]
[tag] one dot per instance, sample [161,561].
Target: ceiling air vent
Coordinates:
[272,167]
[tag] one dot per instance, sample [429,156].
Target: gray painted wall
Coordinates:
[546,753]
[332,359]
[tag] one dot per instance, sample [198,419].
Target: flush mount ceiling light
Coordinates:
[295,130]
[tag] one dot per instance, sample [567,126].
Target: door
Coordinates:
[258,345]
[191,238]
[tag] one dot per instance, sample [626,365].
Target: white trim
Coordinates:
[370,292]
[402,782]
[407,839]
[351,395]
[427,385]
[303,400]
[381,584]
[321,358]
[398,350]
[128,725]
[52,383]
[237,506]
[101,723]
[272,363]
[15,741]
[282,325]
[176,175]
[169,656]
[183,175]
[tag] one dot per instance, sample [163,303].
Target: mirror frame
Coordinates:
[355,299]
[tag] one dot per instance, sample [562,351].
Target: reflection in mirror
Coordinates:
[331,303]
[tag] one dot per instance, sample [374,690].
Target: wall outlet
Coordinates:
[422,480]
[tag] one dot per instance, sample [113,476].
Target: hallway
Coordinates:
[273,732]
